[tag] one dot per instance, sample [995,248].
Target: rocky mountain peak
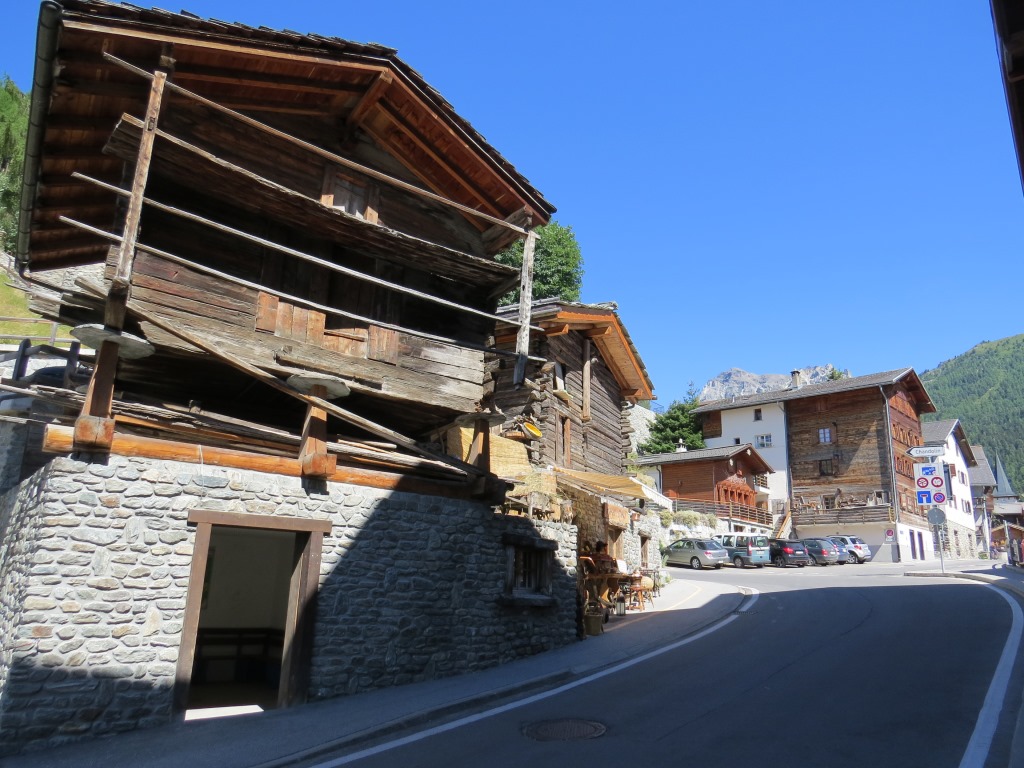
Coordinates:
[736,382]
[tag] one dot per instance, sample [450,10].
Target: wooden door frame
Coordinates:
[305,579]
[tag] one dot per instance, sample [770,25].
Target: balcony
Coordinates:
[881,513]
[739,513]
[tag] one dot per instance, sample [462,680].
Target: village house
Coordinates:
[983,483]
[959,537]
[565,434]
[729,484]
[840,449]
[281,248]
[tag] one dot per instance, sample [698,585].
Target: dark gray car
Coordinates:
[786,552]
[821,551]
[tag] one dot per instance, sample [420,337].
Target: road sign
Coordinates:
[939,497]
[890,534]
[926,451]
[935,515]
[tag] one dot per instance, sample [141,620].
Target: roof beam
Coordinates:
[371,97]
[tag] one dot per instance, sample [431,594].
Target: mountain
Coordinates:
[736,382]
[984,388]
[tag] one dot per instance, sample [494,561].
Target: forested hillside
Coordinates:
[984,388]
[13,127]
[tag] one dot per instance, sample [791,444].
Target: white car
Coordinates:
[860,552]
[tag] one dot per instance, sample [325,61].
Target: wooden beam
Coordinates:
[587,360]
[252,79]
[275,383]
[322,152]
[556,330]
[370,98]
[94,427]
[60,439]
[410,132]
[190,625]
[599,332]
[313,456]
[253,520]
[117,298]
[307,257]
[525,305]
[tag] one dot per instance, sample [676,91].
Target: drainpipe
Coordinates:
[42,88]
[893,495]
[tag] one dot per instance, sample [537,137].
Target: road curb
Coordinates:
[995,581]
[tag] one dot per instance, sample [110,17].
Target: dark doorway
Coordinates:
[249,610]
[240,638]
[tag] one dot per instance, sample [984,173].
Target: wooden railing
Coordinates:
[873,514]
[27,351]
[743,513]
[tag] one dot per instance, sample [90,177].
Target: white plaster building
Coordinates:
[959,533]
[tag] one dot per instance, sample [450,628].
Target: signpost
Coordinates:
[937,518]
[926,451]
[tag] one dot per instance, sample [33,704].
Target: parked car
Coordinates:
[745,548]
[784,552]
[696,553]
[821,551]
[844,553]
[860,552]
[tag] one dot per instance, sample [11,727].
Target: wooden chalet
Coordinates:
[282,248]
[282,219]
[729,482]
[564,435]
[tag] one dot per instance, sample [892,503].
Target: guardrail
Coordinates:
[51,337]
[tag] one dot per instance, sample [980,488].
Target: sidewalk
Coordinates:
[998,573]
[279,737]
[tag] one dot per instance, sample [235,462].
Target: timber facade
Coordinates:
[846,444]
[281,248]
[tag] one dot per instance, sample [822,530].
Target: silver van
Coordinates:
[745,548]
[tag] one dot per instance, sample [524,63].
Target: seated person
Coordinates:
[605,563]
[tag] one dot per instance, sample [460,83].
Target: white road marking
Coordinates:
[988,717]
[469,719]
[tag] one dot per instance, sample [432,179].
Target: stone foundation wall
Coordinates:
[96,557]
[13,438]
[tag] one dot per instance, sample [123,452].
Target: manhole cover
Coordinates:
[564,730]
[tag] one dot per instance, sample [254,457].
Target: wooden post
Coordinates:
[587,353]
[313,456]
[525,302]
[480,449]
[116,302]
[94,428]
[190,626]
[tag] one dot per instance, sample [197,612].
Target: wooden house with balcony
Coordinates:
[731,483]
[282,220]
[563,433]
[281,248]
[847,468]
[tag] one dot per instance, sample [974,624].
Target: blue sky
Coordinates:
[758,185]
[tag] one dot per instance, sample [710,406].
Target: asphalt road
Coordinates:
[838,666]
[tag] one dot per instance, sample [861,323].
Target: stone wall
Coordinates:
[96,557]
[13,438]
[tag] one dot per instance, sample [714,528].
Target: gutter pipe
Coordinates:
[42,89]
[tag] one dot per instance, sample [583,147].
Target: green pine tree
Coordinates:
[557,265]
[675,424]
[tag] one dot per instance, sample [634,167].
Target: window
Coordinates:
[735,441]
[825,435]
[757,414]
[828,502]
[763,441]
[529,566]
[825,467]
